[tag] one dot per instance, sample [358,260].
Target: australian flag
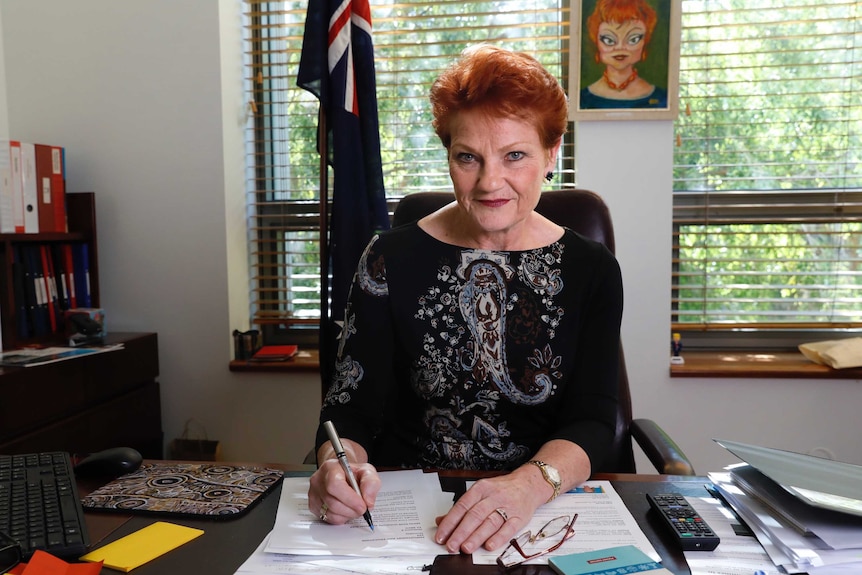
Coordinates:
[337,66]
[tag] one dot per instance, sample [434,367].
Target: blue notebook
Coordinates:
[613,560]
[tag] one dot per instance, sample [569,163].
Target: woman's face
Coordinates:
[621,45]
[497,166]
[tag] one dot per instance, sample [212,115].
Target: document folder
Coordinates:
[820,482]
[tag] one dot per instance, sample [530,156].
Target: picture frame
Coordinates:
[649,86]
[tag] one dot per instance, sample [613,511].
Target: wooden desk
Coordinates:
[226,544]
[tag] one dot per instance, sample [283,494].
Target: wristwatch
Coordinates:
[551,475]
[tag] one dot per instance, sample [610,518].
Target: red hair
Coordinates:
[619,11]
[503,84]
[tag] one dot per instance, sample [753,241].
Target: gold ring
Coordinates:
[502,514]
[323,509]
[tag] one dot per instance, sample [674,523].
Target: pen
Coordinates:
[342,458]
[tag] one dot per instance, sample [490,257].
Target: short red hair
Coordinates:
[504,84]
[619,11]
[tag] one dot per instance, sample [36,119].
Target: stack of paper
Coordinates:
[603,521]
[802,533]
[404,528]
[404,523]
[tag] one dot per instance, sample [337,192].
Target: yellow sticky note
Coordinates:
[143,545]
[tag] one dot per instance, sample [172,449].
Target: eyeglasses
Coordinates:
[10,553]
[549,538]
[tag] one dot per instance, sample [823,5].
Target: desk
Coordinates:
[225,545]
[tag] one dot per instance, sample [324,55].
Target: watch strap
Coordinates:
[544,468]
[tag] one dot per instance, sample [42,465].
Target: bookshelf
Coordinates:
[81,217]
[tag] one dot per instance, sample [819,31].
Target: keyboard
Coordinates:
[39,504]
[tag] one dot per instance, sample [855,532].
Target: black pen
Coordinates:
[342,458]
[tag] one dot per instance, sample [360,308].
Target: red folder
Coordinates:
[275,353]
[51,188]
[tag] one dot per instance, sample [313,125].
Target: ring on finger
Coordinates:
[323,509]
[502,513]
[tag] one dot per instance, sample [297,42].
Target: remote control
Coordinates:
[689,528]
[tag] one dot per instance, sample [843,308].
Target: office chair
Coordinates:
[586,213]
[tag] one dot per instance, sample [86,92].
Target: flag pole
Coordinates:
[324,351]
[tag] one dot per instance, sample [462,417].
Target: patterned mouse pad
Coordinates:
[202,490]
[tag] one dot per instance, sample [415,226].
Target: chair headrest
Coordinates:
[581,210]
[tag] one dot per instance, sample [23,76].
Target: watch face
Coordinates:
[553,474]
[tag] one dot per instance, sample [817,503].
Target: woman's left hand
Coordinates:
[490,513]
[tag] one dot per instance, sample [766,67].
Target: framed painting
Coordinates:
[624,63]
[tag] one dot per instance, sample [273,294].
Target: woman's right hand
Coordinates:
[333,500]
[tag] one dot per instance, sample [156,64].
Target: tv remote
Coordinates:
[688,528]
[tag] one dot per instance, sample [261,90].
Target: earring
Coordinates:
[549,176]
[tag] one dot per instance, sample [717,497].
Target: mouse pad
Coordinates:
[200,490]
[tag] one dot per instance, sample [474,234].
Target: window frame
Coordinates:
[279,329]
[741,205]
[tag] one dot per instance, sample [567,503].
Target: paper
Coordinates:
[836,353]
[603,521]
[821,482]
[33,357]
[836,530]
[404,513]
[736,554]
[143,545]
[261,562]
[43,563]
[786,546]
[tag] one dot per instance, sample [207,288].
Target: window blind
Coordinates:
[768,166]
[413,42]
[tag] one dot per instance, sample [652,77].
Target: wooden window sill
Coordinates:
[780,364]
[304,361]
[749,364]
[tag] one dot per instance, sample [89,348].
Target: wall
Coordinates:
[134,91]
[143,95]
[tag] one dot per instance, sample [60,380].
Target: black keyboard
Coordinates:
[39,504]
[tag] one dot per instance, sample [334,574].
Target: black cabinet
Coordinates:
[85,404]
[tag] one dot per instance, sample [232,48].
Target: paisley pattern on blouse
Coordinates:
[464,376]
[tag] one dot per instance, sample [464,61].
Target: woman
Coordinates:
[621,31]
[483,336]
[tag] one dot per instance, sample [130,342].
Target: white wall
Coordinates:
[135,92]
[144,97]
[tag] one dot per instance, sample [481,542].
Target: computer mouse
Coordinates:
[109,463]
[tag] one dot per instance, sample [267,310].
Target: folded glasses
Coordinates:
[549,538]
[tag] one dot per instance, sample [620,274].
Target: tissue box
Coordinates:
[85,326]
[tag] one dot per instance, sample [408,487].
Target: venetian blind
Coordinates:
[413,41]
[767,175]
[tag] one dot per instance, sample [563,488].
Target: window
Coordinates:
[768,168]
[413,41]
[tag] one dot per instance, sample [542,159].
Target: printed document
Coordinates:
[404,520]
[603,521]
[262,563]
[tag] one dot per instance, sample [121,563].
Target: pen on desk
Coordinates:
[342,459]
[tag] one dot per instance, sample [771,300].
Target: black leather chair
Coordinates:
[586,213]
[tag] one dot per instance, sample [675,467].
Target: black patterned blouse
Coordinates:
[472,359]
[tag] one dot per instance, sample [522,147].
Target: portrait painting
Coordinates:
[624,63]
